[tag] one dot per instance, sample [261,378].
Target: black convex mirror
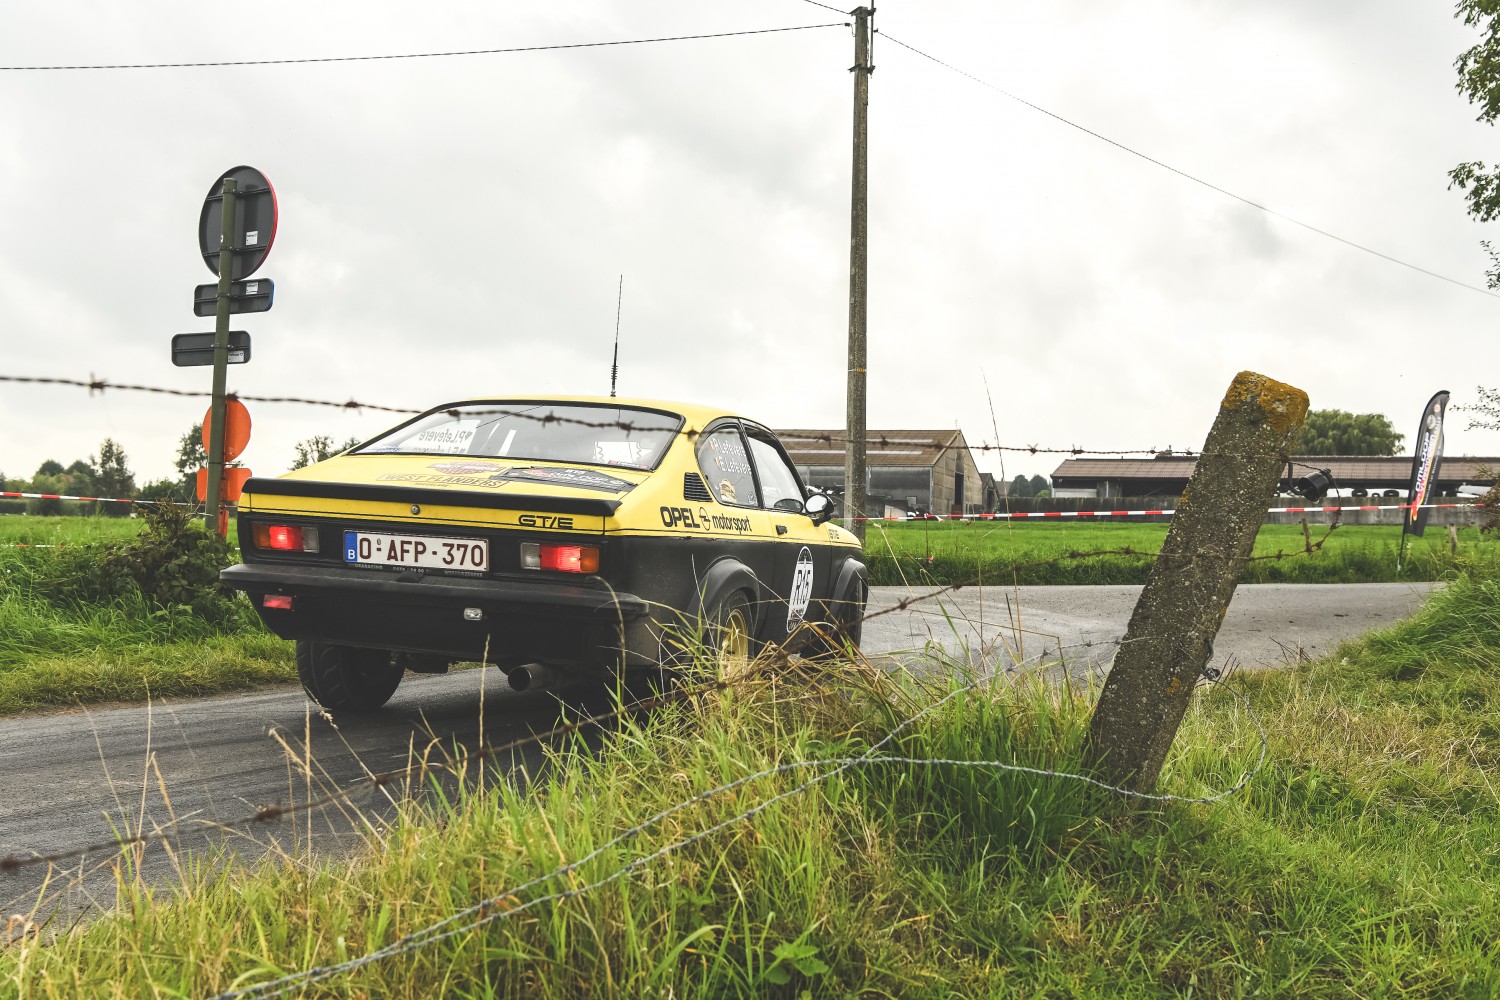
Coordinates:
[819,507]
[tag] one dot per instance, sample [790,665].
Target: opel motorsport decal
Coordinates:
[703,519]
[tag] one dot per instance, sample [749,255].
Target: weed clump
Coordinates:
[173,562]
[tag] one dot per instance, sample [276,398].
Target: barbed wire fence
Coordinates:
[509,903]
[496,907]
[878,441]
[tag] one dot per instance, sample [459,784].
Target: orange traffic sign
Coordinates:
[230,486]
[236,428]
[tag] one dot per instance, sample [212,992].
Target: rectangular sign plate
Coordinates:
[365,548]
[252,296]
[192,349]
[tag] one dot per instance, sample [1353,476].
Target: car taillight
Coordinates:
[282,601]
[286,538]
[560,558]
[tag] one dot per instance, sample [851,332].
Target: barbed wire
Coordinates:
[93,385]
[271,813]
[495,908]
[778,654]
[832,437]
[798,642]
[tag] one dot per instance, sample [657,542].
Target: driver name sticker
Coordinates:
[802,589]
[449,439]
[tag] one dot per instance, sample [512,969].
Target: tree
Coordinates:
[191,457]
[1336,432]
[1040,486]
[164,491]
[82,477]
[1479,81]
[1020,487]
[319,448]
[1485,414]
[113,477]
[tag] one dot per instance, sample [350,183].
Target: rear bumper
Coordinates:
[500,621]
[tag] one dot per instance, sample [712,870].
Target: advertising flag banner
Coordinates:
[1424,466]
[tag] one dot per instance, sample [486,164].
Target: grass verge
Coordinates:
[76,627]
[1361,861]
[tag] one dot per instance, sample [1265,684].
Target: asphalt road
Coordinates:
[71,779]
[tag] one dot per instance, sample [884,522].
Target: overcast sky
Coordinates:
[457,226]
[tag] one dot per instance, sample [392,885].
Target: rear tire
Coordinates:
[347,678]
[845,624]
[729,632]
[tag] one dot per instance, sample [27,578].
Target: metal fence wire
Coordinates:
[505,905]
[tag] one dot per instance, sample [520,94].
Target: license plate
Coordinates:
[367,548]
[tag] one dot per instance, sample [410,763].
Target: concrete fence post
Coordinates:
[1170,636]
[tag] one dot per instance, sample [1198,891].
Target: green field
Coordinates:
[1031,552]
[71,635]
[1361,860]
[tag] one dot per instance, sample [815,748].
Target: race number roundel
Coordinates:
[236,428]
[802,589]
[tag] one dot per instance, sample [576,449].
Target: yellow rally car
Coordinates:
[575,532]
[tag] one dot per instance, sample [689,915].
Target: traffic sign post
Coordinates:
[221,357]
[241,211]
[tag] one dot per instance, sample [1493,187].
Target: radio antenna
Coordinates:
[614,368]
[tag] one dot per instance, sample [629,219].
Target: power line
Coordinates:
[1187,176]
[425,55]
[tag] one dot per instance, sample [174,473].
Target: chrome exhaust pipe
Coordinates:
[519,679]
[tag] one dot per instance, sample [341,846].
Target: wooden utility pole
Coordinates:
[1171,633]
[854,451]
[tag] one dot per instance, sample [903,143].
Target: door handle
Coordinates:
[781,529]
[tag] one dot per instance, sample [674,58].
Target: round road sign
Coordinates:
[236,428]
[254,222]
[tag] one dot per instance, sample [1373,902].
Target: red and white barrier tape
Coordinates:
[8,495]
[59,496]
[1141,513]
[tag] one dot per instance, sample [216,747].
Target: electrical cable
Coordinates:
[424,55]
[1187,176]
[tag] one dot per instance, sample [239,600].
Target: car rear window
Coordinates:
[620,436]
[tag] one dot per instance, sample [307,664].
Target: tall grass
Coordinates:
[1362,861]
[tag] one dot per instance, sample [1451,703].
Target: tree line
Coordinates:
[107,473]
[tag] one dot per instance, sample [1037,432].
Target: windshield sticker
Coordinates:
[460,468]
[802,589]
[449,439]
[583,478]
[428,478]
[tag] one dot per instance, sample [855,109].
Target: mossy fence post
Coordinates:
[1170,637]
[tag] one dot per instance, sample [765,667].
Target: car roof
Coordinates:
[694,414]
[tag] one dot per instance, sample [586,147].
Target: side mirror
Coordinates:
[819,507]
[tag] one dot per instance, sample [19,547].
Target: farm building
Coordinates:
[926,471]
[1167,475]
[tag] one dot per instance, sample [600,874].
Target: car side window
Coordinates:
[726,466]
[779,487]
